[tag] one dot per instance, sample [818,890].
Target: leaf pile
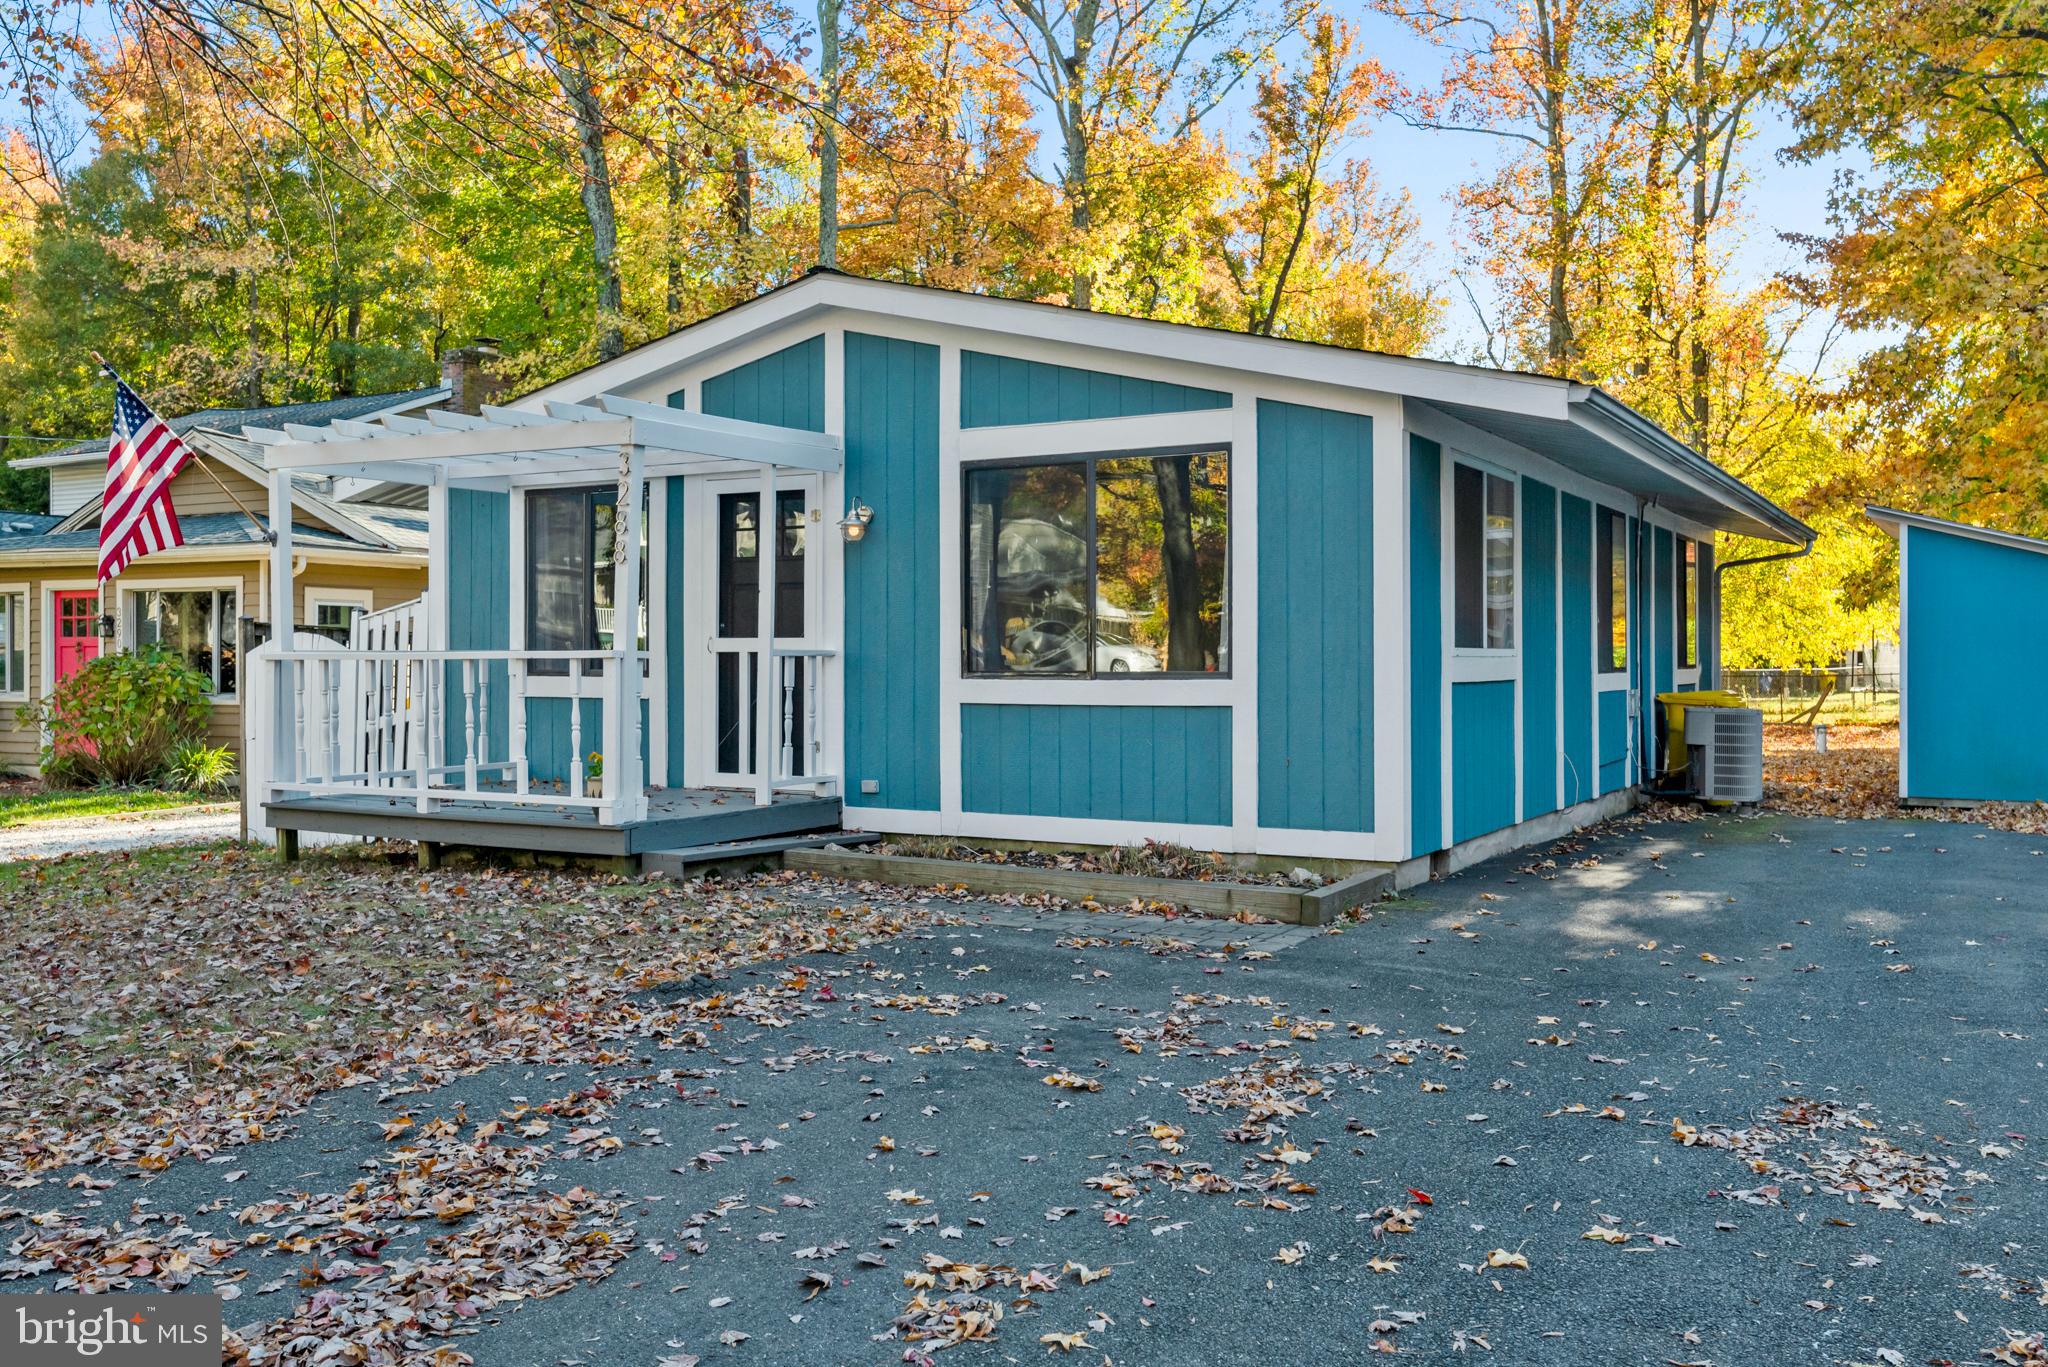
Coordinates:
[1834,1148]
[1858,779]
[180,1002]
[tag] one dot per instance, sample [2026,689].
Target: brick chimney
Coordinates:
[469,372]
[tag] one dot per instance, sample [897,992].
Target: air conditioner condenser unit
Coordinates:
[1726,746]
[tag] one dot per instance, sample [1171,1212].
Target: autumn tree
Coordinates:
[1941,249]
[1127,84]
[1309,245]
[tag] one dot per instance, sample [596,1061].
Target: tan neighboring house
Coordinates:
[359,546]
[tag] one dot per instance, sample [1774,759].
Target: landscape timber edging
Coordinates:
[1299,906]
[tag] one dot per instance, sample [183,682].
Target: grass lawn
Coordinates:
[24,801]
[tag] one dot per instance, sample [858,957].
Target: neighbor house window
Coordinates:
[1688,603]
[13,643]
[1483,534]
[196,625]
[570,574]
[1612,562]
[1098,566]
[334,619]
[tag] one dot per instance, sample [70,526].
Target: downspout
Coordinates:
[1722,568]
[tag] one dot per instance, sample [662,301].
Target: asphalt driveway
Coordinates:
[1729,1091]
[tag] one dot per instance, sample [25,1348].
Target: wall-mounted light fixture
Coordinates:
[854,525]
[105,626]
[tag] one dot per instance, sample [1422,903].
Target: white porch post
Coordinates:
[622,766]
[767,701]
[284,721]
[280,604]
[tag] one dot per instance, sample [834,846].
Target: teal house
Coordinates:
[890,558]
[1966,596]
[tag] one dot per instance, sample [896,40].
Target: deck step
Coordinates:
[677,862]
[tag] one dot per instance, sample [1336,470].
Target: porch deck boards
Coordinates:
[676,818]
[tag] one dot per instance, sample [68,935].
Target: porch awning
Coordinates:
[504,445]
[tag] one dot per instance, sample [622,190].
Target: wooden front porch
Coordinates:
[508,743]
[677,818]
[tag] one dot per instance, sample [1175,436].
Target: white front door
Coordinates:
[724,582]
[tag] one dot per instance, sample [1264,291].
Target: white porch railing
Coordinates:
[799,740]
[429,726]
[399,627]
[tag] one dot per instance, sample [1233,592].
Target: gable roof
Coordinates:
[1576,425]
[231,421]
[347,525]
[1895,521]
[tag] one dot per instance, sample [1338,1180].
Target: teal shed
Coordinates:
[1973,619]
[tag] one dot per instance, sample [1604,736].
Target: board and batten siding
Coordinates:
[1315,579]
[1006,391]
[479,608]
[1539,628]
[1106,763]
[1576,637]
[785,388]
[891,652]
[1975,615]
[1425,644]
[1482,758]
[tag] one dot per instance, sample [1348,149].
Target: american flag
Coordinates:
[136,516]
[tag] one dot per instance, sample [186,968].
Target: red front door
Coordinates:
[78,632]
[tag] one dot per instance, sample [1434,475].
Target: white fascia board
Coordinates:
[1534,395]
[721,330]
[1237,353]
[1895,523]
[56,461]
[1601,430]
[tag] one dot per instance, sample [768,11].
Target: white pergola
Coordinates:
[503,448]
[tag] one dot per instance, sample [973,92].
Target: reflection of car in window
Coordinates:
[1053,646]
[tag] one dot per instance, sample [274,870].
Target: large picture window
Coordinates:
[1612,569]
[1483,532]
[570,572]
[1098,566]
[13,643]
[1688,603]
[196,625]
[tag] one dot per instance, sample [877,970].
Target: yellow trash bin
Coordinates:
[1676,756]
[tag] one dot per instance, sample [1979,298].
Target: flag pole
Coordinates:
[269,537]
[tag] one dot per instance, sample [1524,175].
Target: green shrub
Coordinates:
[120,719]
[198,767]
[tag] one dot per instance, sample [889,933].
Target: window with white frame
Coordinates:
[570,572]
[1611,574]
[1483,540]
[334,616]
[1688,603]
[13,642]
[196,625]
[1097,566]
